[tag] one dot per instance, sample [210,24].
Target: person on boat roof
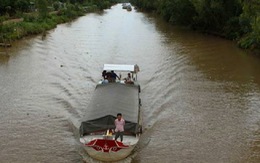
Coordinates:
[104,74]
[128,79]
[114,76]
[119,123]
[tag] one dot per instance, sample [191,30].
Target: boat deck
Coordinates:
[127,140]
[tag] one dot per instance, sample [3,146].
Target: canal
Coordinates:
[200,94]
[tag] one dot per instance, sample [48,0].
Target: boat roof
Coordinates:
[121,67]
[108,100]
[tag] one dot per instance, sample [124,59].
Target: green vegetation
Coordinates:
[19,18]
[233,19]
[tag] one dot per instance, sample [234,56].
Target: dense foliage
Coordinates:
[233,19]
[37,16]
[11,7]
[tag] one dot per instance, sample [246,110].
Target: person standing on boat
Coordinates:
[119,123]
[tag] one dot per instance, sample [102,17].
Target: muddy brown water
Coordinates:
[200,94]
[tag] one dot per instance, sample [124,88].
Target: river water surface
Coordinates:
[200,94]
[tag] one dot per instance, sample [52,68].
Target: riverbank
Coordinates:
[34,23]
[233,20]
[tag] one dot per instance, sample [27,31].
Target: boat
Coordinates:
[129,8]
[124,6]
[110,98]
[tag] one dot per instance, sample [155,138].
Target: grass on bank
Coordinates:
[33,23]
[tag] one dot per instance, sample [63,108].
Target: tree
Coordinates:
[251,15]
[7,6]
[56,6]
[22,5]
[42,8]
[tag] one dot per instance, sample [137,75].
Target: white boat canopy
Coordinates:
[120,67]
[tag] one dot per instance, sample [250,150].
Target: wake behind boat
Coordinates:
[110,98]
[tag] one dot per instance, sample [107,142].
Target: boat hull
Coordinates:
[108,149]
[109,156]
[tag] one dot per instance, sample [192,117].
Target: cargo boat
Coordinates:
[109,98]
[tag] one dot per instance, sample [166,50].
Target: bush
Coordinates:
[32,28]
[56,6]
[30,17]
[247,42]
[233,29]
